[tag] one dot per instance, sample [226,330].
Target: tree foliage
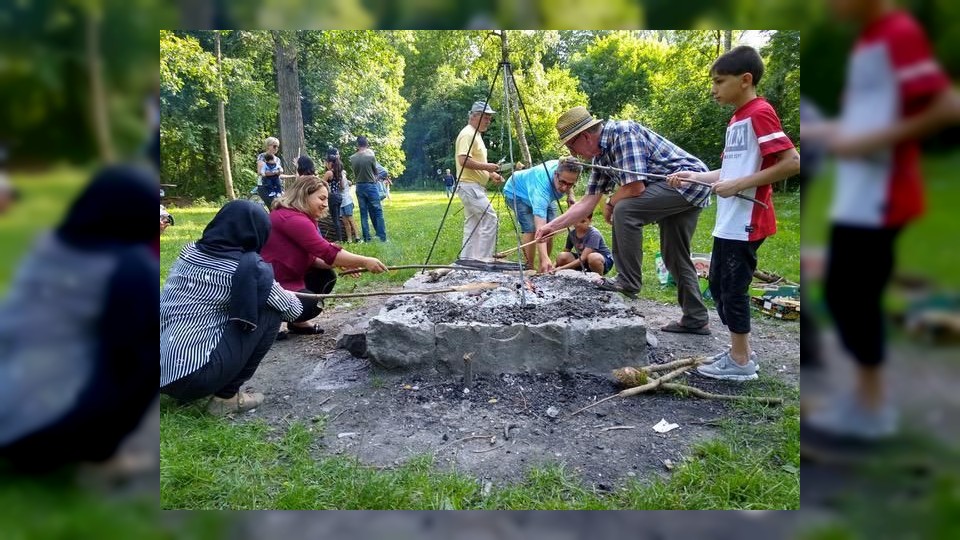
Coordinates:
[615,70]
[410,93]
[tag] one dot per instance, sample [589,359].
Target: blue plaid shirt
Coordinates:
[628,145]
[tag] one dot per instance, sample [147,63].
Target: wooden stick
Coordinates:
[664,177]
[594,404]
[458,288]
[708,395]
[654,383]
[671,365]
[506,252]
[612,428]
[406,267]
[638,389]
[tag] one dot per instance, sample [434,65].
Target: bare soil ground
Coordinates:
[501,427]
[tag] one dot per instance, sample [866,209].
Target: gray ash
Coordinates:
[563,309]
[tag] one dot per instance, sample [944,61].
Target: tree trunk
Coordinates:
[727,40]
[98,97]
[222,128]
[511,91]
[292,142]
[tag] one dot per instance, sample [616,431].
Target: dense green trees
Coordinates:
[409,93]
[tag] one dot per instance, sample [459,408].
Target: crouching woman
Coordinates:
[302,259]
[220,311]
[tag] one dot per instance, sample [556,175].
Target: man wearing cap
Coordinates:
[636,201]
[480,223]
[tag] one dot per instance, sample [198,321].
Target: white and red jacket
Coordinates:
[754,136]
[891,75]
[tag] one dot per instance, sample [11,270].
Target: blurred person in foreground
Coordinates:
[9,195]
[896,93]
[77,370]
[809,167]
[220,311]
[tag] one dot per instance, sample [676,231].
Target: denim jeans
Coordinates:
[369,198]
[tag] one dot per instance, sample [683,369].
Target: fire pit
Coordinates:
[564,324]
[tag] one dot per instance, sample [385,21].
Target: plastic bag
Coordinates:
[663,275]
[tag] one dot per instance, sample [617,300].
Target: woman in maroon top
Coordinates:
[303,260]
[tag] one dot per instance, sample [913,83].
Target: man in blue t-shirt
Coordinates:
[532,196]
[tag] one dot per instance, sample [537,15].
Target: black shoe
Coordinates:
[313,329]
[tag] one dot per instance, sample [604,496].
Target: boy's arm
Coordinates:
[572,264]
[943,111]
[787,165]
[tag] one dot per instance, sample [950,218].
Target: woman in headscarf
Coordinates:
[220,310]
[302,259]
[77,371]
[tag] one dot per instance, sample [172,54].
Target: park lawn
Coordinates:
[44,199]
[413,219]
[924,247]
[207,463]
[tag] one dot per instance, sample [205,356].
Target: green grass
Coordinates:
[211,464]
[413,218]
[45,198]
[207,463]
[51,507]
[924,247]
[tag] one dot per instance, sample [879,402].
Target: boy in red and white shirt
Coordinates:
[757,154]
[895,94]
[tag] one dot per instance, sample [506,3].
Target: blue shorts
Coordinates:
[347,210]
[607,261]
[524,213]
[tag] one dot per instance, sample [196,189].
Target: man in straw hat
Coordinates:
[480,223]
[636,201]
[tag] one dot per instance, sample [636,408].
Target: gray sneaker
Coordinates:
[846,417]
[753,358]
[726,369]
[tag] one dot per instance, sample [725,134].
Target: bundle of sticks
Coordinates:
[644,379]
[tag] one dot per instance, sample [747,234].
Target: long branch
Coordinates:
[676,363]
[709,395]
[640,389]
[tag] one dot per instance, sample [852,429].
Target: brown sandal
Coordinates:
[607,284]
[680,329]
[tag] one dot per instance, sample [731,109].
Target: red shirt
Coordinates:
[892,75]
[293,245]
[754,137]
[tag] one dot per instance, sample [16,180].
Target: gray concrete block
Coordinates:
[501,349]
[397,341]
[599,346]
